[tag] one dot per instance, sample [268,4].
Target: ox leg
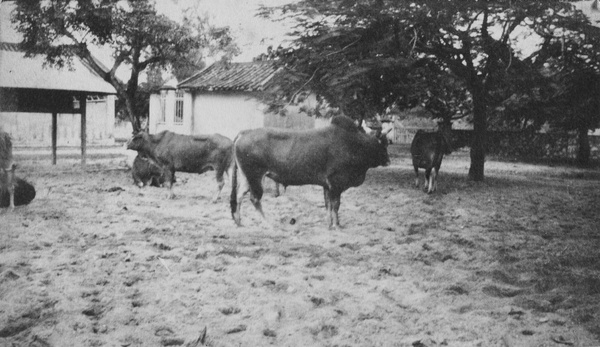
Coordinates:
[334,202]
[328,205]
[137,180]
[431,181]
[10,174]
[239,189]
[220,185]
[416,175]
[326,197]
[277,192]
[437,172]
[170,178]
[256,193]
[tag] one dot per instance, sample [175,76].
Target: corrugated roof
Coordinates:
[251,76]
[16,71]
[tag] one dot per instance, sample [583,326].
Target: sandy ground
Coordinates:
[96,261]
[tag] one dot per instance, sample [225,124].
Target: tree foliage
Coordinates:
[136,34]
[369,54]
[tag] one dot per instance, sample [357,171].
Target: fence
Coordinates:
[516,144]
[405,135]
[530,145]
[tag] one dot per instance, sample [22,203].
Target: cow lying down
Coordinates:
[24,193]
[7,168]
[185,153]
[146,172]
[336,157]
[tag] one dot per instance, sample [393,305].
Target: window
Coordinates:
[163,106]
[178,107]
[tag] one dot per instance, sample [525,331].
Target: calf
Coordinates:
[336,157]
[427,151]
[7,168]
[146,172]
[185,153]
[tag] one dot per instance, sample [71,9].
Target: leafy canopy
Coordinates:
[134,32]
[453,56]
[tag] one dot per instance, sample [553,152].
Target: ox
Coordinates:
[23,195]
[146,172]
[7,168]
[427,151]
[185,153]
[336,157]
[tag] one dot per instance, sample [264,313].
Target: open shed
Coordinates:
[27,86]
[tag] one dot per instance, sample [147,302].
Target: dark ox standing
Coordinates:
[427,151]
[146,172]
[7,168]
[336,157]
[184,153]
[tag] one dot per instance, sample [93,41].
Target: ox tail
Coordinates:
[233,201]
[234,187]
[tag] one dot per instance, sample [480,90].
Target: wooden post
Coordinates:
[54,137]
[82,103]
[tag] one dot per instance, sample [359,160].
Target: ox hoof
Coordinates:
[237,220]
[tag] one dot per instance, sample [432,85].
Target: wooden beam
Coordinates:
[82,103]
[54,137]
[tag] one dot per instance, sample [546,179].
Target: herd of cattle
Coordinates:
[335,157]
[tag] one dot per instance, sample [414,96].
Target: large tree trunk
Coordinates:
[130,93]
[135,122]
[584,150]
[476,171]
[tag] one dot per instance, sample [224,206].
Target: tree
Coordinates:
[574,68]
[136,34]
[344,41]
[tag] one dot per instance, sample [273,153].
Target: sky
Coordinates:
[252,34]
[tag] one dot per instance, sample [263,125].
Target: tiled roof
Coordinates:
[9,46]
[252,76]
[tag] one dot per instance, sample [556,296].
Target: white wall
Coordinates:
[156,125]
[226,113]
[35,129]
[153,113]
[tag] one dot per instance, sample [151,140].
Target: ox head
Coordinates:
[445,129]
[138,141]
[382,157]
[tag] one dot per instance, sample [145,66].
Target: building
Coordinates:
[224,99]
[47,107]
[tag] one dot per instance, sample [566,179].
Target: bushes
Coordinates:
[532,145]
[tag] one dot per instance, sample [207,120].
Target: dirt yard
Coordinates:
[96,261]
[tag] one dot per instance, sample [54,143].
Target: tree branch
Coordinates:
[304,85]
[144,64]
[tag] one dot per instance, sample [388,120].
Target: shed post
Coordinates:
[82,103]
[54,137]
